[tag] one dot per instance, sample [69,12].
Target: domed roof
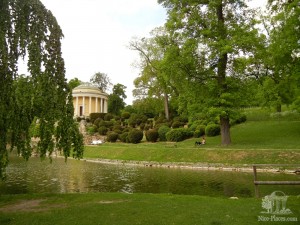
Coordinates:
[87,88]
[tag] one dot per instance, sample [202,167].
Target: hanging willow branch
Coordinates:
[28,28]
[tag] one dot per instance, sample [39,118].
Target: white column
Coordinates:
[105,105]
[96,99]
[83,105]
[90,106]
[101,105]
[76,107]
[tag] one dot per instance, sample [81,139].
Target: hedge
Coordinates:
[162,132]
[152,135]
[112,137]
[212,130]
[178,134]
[135,136]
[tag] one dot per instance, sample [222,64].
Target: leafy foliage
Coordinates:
[212,130]
[102,130]
[95,116]
[178,134]
[199,131]
[135,136]
[116,99]
[102,81]
[152,135]
[112,136]
[73,83]
[124,137]
[27,27]
[162,131]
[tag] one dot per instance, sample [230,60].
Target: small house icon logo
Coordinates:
[275,204]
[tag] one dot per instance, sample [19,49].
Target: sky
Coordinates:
[97,34]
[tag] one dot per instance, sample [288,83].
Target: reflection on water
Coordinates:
[38,176]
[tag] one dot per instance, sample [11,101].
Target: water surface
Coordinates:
[36,176]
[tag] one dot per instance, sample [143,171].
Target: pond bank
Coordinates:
[192,166]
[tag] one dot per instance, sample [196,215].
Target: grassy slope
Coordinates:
[117,208]
[253,142]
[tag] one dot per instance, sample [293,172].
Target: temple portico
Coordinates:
[88,99]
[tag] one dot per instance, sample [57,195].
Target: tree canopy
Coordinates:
[211,36]
[116,99]
[214,57]
[102,80]
[28,28]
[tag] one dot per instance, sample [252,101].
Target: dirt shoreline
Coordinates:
[191,166]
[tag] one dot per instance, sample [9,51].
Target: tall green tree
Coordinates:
[153,80]
[116,99]
[102,81]
[281,52]
[27,27]
[74,82]
[215,33]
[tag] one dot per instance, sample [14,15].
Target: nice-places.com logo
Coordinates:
[275,208]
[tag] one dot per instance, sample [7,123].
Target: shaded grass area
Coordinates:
[252,142]
[119,209]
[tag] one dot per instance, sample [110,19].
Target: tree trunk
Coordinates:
[167,114]
[225,131]
[278,107]
[222,66]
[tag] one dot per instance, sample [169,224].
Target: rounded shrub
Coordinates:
[147,127]
[125,115]
[117,128]
[109,124]
[197,134]
[176,135]
[142,126]
[97,122]
[92,129]
[108,117]
[176,124]
[212,130]
[112,136]
[124,137]
[127,129]
[201,129]
[102,130]
[152,135]
[135,136]
[162,132]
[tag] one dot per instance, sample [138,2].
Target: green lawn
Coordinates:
[252,142]
[256,141]
[119,209]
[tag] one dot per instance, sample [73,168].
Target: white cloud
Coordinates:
[97,33]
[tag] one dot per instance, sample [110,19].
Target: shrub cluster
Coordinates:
[162,131]
[151,135]
[130,127]
[112,136]
[212,130]
[179,134]
[135,136]
[102,130]
[199,131]
[94,116]
[240,118]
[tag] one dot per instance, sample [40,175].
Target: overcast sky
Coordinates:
[97,34]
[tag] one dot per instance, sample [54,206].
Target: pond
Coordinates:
[36,176]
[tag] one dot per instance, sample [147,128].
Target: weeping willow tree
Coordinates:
[28,29]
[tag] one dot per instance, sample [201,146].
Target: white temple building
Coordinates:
[88,99]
